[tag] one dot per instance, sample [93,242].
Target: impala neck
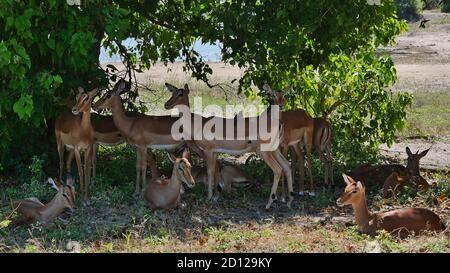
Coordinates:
[54,208]
[86,120]
[362,213]
[175,181]
[121,120]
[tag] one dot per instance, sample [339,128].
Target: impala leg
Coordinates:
[69,161]
[144,165]
[152,163]
[308,148]
[138,171]
[60,148]
[87,170]
[284,164]
[330,166]
[284,151]
[80,171]
[277,172]
[325,165]
[301,169]
[211,161]
[94,161]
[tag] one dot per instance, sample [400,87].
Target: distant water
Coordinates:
[209,52]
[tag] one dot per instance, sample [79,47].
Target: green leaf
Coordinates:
[24,107]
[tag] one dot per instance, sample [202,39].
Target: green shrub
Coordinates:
[408,9]
[431,4]
[445,6]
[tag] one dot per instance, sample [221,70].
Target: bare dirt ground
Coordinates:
[422,60]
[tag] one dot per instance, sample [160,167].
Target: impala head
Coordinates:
[353,192]
[276,97]
[106,101]
[414,160]
[180,96]
[84,100]
[65,191]
[183,168]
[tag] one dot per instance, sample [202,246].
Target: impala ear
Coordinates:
[424,153]
[186,153]
[347,179]
[268,89]
[52,182]
[186,88]
[359,185]
[172,158]
[170,87]
[408,151]
[93,92]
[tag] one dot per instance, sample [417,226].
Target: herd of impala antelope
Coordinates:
[75,131]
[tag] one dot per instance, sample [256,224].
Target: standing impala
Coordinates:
[399,221]
[298,129]
[76,132]
[219,141]
[141,131]
[107,134]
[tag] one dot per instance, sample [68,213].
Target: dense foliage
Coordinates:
[446,6]
[409,9]
[49,47]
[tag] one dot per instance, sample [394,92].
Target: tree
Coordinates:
[49,47]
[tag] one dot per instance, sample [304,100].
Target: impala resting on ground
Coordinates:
[377,175]
[218,142]
[166,193]
[400,221]
[76,132]
[396,182]
[141,131]
[298,128]
[32,210]
[230,176]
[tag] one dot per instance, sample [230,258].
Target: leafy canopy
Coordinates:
[324,49]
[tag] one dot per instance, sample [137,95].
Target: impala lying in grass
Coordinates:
[163,193]
[400,221]
[32,210]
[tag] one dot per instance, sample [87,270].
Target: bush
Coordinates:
[446,6]
[430,4]
[408,9]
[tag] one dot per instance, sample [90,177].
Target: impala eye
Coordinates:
[65,195]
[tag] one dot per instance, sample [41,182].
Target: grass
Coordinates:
[116,222]
[429,115]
